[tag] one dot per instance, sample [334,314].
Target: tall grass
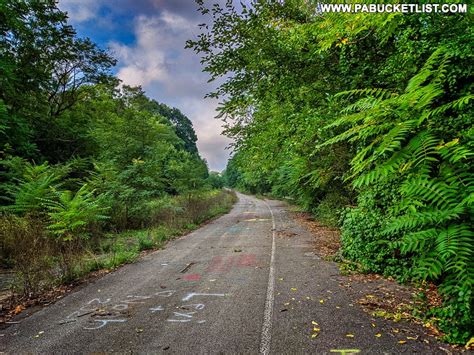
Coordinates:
[41,262]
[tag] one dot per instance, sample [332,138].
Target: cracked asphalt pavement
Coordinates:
[215,290]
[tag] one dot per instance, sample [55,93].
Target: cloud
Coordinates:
[145,61]
[81,10]
[86,10]
[155,58]
[211,143]
[159,63]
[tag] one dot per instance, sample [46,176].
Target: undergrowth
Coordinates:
[41,262]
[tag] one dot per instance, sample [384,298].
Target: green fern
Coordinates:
[71,214]
[395,139]
[36,185]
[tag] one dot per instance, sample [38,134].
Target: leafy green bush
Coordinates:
[329,209]
[215,180]
[434,215]
[72,214]
[27,248]
[145,241]
[165,210]
[363,240]
[37,184]
[357,105]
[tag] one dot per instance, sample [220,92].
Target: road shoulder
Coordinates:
[336,312]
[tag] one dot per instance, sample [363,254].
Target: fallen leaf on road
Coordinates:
[345,351]
[314,323]
[19,309]
[316,329]
[314,335]
[402,341]
[412,338]
[378,335]
[287,303]
[39,334]
[293,289]
[321,301]
[349,335]
[373,325]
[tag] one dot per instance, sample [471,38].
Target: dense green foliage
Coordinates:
[81,155]
[77,127]
[363,119]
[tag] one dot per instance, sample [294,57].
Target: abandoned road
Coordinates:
[247,282]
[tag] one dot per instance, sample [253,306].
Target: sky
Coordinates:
[147,37]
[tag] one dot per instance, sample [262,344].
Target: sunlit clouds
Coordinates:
[155,58]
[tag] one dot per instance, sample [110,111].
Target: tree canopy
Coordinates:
[67,124]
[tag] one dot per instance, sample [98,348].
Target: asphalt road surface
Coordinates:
[246,283]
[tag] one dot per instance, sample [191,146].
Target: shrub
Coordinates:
[36,185]
[364,242]
[26,246]
[401,136]
[328,211]
[72,214]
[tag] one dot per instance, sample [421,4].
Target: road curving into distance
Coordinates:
[247,282]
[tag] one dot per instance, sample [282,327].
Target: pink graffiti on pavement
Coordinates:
[226,263]
[192,277]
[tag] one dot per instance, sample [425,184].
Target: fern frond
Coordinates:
[455,105]
[377,93]
[438,193]
[363,104]
[434,217]
[427,70]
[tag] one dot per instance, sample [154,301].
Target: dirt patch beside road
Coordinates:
[326,240]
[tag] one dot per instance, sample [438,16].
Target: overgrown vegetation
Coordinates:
[366,121]
[92,172]
[42,261]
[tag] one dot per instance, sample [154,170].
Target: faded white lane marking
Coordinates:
[268,312]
